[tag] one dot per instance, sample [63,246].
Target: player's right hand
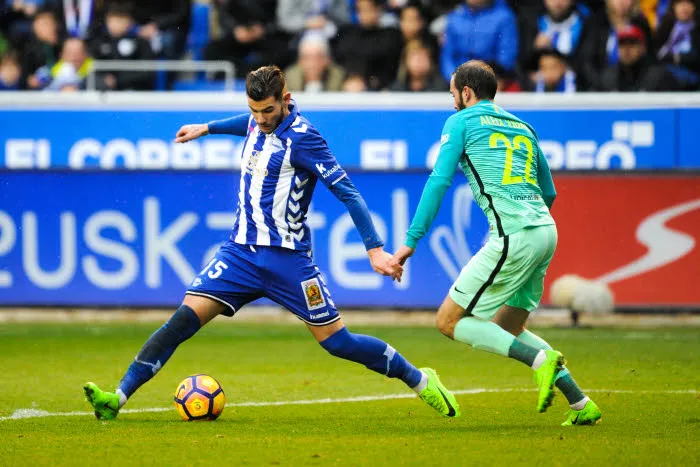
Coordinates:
[381,263]
[190,132]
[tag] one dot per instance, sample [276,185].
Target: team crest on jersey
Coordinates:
[312,294]
[252,167]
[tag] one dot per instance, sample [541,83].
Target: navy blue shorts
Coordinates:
[239,274]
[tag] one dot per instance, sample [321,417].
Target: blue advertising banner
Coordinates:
[688,147]
[382,139]
[139,238]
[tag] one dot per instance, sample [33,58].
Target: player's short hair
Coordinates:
[479,76]
[264,82]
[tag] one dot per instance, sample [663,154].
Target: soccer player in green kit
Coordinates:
[489,303]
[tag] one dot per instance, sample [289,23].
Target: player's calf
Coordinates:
[182,325]
[375,354]
[382,358]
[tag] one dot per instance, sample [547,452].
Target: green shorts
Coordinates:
[508,270]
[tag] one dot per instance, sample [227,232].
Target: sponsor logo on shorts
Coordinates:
[320,315]
[312,295]
[196,282]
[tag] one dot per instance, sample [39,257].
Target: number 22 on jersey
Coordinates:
[517,144]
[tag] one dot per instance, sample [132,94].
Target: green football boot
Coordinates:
[438,397]
[545,376]
[105,404]
[589,415]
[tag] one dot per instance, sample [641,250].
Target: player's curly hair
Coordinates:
[264,82]
[479,76]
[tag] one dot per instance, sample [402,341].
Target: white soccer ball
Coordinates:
[579,294]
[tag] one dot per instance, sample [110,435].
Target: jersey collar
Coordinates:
[287,122]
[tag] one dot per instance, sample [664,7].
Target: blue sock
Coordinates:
[182,325]
[373,353]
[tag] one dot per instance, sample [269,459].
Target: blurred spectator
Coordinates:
[679,37]
[554,74]
[369,46]
[71,71]
[599,48]
[296,16]
[165,23]
[41,52]
[355,83]
[315,71]
[413,22]
[636,70]
[120,42]
[480,29]
[417,72]
[560,26]
[432,8]
[249,38]
[18,16]
[10,72]
[507,80]
[438,10]
[80,18]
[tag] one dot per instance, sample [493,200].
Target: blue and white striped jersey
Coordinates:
[278,176]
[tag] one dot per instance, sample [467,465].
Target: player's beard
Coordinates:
[461,105]
[273,127]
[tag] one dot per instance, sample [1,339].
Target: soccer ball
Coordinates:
[199,397]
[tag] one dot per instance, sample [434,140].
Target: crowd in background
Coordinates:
[359,45]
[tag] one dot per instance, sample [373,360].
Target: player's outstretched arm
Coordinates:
[237,126]
[311,153]
[345,191]
[451,149]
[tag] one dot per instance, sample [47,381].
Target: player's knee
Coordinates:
[445,324]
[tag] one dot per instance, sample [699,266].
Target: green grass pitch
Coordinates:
[645,381]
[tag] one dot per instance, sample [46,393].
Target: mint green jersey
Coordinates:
[505,167]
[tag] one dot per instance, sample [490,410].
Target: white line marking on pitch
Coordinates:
[35,413]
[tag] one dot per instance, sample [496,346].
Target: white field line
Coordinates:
[35,413]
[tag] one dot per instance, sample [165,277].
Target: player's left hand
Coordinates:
[402,254]
[381,263]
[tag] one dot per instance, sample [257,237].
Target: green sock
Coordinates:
[565,382]
[488,336]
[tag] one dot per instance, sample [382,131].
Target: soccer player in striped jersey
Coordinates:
[268,253]
[490,301]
